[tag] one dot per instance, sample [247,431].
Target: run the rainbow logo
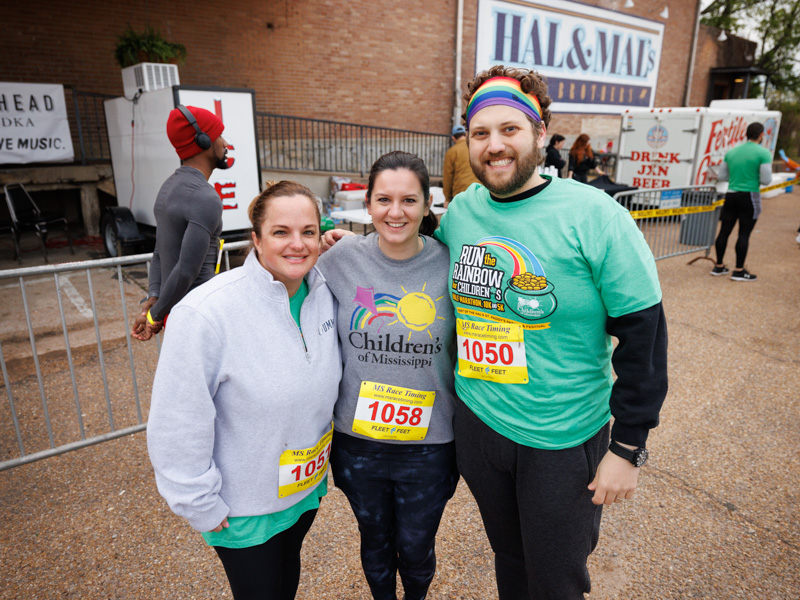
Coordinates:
[481,274]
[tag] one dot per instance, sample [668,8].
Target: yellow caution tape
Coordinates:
[666,212]
[778,186]
[688,210]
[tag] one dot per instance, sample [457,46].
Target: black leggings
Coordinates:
[738,205]
[269,571]
[398,493]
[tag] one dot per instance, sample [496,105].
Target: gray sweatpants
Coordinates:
[536,508]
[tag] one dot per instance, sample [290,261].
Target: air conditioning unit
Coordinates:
[146,77]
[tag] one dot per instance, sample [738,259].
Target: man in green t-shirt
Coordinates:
[746,167]
[543,272]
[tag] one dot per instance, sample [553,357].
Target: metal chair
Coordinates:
[7,228]
[26,216]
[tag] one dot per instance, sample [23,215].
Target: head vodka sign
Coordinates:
[33,124]
[595,60]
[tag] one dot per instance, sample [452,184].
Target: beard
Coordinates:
[524,168]
[222,163]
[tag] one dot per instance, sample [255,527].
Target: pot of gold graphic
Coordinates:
[530,296]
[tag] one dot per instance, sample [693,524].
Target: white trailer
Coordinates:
[142,158]
[676,147]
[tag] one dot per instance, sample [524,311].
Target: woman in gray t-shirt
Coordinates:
[393,453]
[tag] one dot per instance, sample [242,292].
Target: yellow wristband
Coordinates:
[150,319]
[219,256]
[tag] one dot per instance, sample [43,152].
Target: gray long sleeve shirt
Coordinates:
[189,222]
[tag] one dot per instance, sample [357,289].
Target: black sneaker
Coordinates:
[743,275]
[717,271]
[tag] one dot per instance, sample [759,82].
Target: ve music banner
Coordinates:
[33,124]
[595,60]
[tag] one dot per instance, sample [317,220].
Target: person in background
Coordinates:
[543,273]
[582,160]
[457,174]
[393,451]
[239,432]
[553,154]
[746,167]
[188,215]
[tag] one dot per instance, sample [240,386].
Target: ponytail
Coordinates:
[429,223]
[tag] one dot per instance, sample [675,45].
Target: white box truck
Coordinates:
[675,147]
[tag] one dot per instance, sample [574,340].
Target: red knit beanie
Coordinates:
[181,133]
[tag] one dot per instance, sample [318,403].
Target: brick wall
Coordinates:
[364,61]
[374,62]
[708,50]
[733,52]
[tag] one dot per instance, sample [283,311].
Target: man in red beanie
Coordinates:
[188,217]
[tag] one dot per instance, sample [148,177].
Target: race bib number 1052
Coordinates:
[491,351]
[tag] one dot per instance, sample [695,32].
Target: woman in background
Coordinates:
[240,422]
[553,154]
[582,159]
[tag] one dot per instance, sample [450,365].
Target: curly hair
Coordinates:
[530,82]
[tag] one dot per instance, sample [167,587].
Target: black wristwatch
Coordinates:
[636,457]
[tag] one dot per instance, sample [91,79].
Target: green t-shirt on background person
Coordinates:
[744,163]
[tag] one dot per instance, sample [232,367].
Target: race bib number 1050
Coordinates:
[300,469]
[491,351]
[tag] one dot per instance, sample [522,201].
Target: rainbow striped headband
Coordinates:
[505,91]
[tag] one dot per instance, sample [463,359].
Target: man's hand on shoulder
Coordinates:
[329,238]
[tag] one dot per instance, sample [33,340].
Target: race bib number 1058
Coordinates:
[491,351]
[390,412]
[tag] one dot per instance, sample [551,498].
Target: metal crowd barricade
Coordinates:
[302,144]
[40,420]
[675,221]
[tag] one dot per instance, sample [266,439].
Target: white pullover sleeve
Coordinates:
[180,430]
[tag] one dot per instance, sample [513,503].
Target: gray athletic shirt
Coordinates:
[396,327]
[188,224]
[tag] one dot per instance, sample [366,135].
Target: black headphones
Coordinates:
[201,138]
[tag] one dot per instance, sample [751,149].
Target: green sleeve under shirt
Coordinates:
[245,532]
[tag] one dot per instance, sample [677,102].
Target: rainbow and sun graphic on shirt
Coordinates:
[415,310]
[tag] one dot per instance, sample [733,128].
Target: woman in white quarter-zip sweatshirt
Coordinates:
[240,421]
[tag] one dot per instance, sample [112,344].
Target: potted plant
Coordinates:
[149,46]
